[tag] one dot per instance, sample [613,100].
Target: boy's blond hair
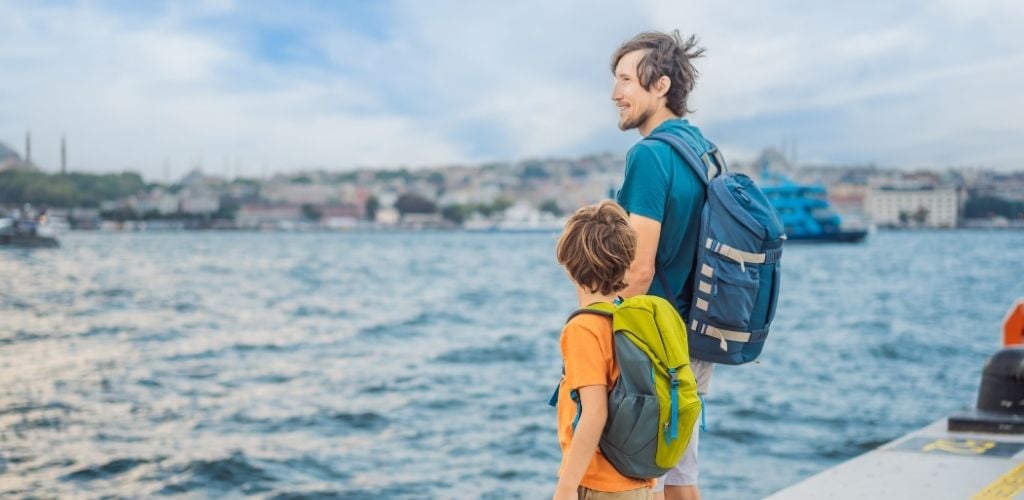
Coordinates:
[597,247]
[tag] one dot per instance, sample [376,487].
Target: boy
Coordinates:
[596,248]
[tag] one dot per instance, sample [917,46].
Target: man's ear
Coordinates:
[662,86]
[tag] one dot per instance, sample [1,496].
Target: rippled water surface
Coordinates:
[419,365]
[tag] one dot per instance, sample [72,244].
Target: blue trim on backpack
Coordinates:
[575,395]
[673,423]
[553,402]
[703,410]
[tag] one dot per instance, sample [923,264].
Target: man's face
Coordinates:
[636,104]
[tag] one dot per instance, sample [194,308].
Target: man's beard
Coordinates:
[635,122]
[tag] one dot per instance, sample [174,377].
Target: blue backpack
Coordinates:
[736,278]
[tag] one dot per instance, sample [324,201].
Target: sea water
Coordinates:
[419,365]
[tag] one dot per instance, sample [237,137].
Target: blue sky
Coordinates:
[248,88]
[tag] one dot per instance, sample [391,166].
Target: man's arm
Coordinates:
[641,272]
[594,399]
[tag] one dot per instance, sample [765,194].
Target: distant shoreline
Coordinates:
[464,230]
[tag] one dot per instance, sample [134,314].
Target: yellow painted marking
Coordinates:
[965,447]
[1007,486]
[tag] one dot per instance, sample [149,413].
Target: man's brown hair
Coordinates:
[666,55]
[597,247]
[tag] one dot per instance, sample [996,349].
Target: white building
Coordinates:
[300,194]
[199,201]
[388,216]
[937,207]
[157,200]
[260,215]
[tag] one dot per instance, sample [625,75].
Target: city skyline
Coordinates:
[261,88]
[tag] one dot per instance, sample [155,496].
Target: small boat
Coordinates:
[27,233]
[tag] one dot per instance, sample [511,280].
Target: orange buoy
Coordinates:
[1013,325]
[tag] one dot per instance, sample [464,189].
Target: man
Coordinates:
[654,76]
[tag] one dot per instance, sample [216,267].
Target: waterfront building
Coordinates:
[267,216]
[340,215]
[387,215]
[156,200]
[287,192]
[199,201]
[914,206]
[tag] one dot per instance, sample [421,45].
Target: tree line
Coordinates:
[981,207]
[66,190]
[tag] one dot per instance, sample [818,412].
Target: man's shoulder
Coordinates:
[689,133]
[654,154]
[648,151]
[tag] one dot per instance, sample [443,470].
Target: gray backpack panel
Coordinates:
[630,437]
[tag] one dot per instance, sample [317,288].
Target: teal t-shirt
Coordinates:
[660,186]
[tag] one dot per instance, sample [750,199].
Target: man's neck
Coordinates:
[586,297]
[655,121]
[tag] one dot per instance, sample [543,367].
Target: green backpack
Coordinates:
[654,404]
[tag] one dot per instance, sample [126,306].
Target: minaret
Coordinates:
[796,158]
[28,147]
[63,156]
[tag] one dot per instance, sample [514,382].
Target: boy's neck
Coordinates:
[587,297]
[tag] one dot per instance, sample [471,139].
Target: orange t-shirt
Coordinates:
[589,359]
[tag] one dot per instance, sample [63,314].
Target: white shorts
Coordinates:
[685,472]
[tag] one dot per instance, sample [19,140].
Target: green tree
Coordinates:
[456,213]
[310,212]
[371,207]
[534,170]
[74,189]
[411,203]
[551,206]
[498,205]
[120,214]
[228,208]
[436,178]
[385,175]
[920,216]
[978,207]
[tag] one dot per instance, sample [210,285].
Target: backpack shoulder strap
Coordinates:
[600,309]
[707,167]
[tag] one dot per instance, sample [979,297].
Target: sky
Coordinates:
[256,87]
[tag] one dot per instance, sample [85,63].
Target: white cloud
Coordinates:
[460,82]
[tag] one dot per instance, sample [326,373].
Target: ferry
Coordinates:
[804,210]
